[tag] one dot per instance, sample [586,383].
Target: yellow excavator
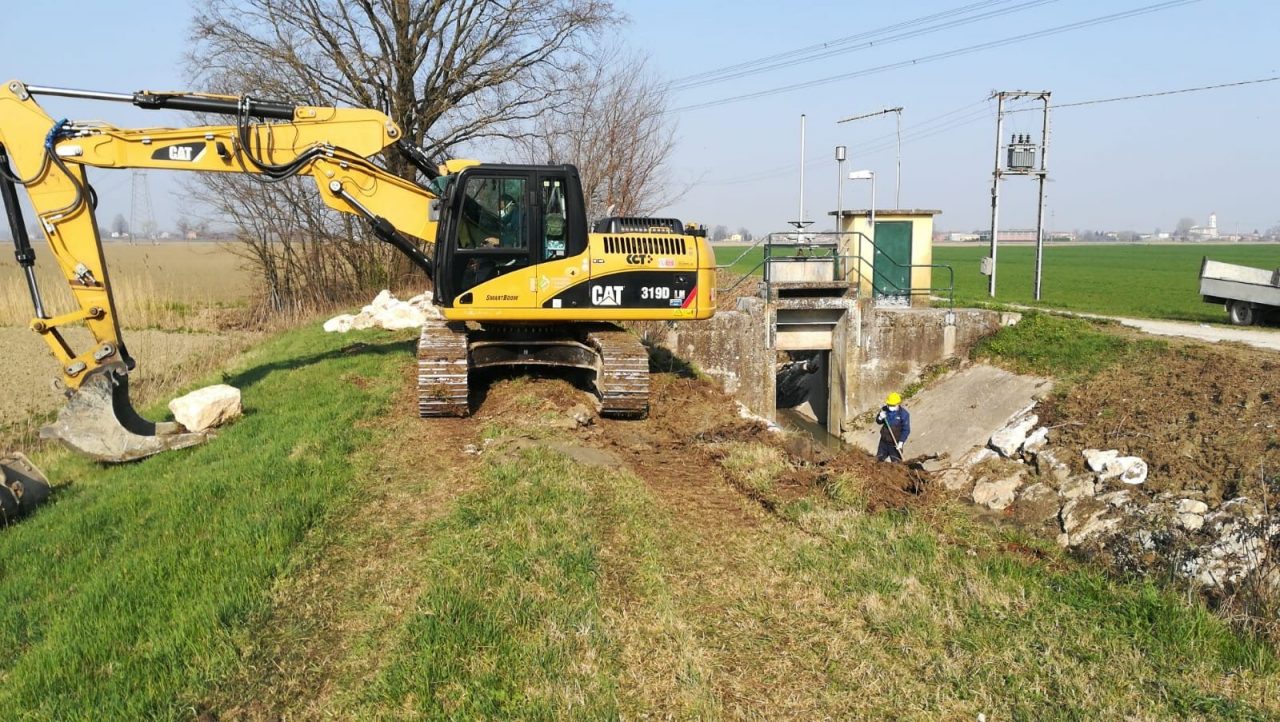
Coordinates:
[519,277]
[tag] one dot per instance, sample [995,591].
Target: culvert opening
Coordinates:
[801,392]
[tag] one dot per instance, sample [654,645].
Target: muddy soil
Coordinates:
[678,448]
[1205,418]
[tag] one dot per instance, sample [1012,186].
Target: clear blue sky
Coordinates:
[1137,165]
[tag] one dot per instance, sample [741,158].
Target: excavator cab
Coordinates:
[504,220]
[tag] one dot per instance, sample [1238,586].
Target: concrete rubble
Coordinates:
[1105,507]
[387,312]
[1009,440]
[205,408]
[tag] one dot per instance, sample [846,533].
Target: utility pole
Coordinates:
[897,178]
[142,217]
[1020,161]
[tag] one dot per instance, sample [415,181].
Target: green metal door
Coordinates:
[891,270]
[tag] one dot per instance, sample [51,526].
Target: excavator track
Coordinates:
[623,379]
[443,370]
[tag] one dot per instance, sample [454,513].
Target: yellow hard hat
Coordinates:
[894,399]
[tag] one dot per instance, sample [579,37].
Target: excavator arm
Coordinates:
[269,140]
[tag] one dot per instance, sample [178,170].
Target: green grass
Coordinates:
[539,588]
[123,598]
[1149,281]
[1068,349]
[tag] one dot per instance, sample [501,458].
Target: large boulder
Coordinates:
[399,316]
[1035,441]
[339,324]
[998,493]
[1097,459]
[1085,518]
[1128,469]
[206,408]
[1008,441]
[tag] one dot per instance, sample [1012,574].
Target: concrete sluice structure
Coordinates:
[862,349]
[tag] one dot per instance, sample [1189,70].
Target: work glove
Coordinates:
[880,418]
[900,443]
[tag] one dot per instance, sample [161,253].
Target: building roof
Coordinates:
[888,212]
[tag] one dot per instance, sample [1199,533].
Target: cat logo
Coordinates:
[606,295]
[183,152]
[639,259]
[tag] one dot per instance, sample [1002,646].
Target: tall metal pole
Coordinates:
[840,156]
[995,193]
[897,177]
[800,218]
[1044,172]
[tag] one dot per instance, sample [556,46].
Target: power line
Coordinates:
[821,52]
[1157,7]
[838,41]
[1099,101]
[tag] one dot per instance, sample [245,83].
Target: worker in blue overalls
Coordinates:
[895,427]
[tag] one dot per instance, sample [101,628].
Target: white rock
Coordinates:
[362,321]
[1085,518]
[997,494]
[1008,440]
[1077,486]
[1191,522]
[1036,441]
[399,316]
[1097,460]
[977,456]
[1192,506]
[1128,469]
[206,408]
[339,324]
[384,299]
[1050,468]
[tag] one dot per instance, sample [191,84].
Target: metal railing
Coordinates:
[844,265]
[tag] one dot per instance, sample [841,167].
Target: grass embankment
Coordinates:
[1147,281]
[258,575]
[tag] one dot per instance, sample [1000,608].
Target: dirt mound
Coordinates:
[1204,418]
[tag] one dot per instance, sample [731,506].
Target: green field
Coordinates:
[1150,281]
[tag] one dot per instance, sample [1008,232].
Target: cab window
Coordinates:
[492,214]
[554,220]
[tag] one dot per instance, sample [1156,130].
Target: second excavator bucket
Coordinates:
[23,487]
[100,422]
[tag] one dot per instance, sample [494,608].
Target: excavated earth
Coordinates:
[1205,419]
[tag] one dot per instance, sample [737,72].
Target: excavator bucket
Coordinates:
[100,422]
[22,487]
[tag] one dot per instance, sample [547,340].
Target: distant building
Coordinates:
[1204,233]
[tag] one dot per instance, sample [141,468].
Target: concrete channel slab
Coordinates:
[961,411]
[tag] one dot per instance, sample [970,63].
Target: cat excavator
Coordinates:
[519,278]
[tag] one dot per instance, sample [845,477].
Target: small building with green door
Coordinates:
[891,264]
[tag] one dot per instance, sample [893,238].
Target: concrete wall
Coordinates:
[898,344]
[873,351]
[732,347]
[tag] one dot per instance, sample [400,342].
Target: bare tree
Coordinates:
[448,72]
[614,127]
[745,233]
[1183,229]
[119,225]
[719,233]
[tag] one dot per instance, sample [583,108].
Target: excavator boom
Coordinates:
[48,159]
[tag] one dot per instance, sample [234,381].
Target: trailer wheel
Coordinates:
[1241,313]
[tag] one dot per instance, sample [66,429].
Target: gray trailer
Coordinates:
[1249,294]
